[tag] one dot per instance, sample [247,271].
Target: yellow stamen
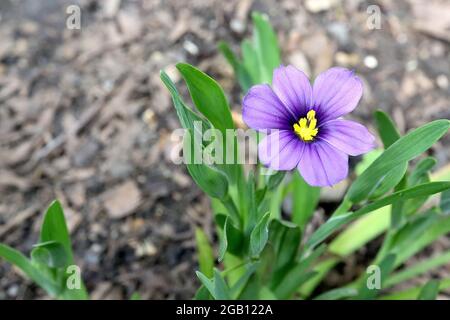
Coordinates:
[306,127]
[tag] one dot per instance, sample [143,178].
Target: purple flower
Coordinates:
[305,128]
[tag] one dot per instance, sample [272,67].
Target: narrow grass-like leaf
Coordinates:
[337,294]
[285,239]
[299,274]
[210,180]
[259,235]
[223,245]
[401,151]
[439,228]
[186,116]
[420,173]
[413,293]
[251,62]
[233,237]
[205,253]
[445,202]
[385,266]
[386,128]
[54,228]
[23,263]
[338,221]
[209,285]
[266,46]
[429,291]
[275,179]
[304,200]
[418,269]
[207,96]
[243,76]
[51,254]
[292,282]
[221,291]
[360,232]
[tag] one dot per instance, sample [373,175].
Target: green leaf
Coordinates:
[321,269]
[298,275]
[386,128]
[404,237]
[266,46]
[231,238]
[403,150]
[223,241]
[54,228]
[429,291]
[259,235]
[185,114]
[135,296]
[418,269]
[360,232]
[210,180]
[413,293]
[251,208]
[216,287]
[390,180]
[251,62]
[440,227]
[205,253]
[51,254]
[292,282]
[209,284]
[445,202]
[304,200]
[241,73]
[207,96]
[23,263]
[338,221]
[285,239]
[337,294]
[420,172]
[220,287]
[239,286]
[213,182]
[202,294]
[367,160]
[274,180]
[386,266]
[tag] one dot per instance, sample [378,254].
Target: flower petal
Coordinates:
[322,164]
[293,88]
[348,136]
[336,92]
[281,150]
[263,110]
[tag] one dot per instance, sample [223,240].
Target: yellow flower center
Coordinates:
[306,127]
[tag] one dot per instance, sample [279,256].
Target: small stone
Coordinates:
[148,117]
[190,47]
[442,81]
[86,153]
[13,291]
[237,26]
[411,65]
[371,62]
[122,200]
[316,6]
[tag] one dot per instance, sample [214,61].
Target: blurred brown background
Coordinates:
[84,117]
